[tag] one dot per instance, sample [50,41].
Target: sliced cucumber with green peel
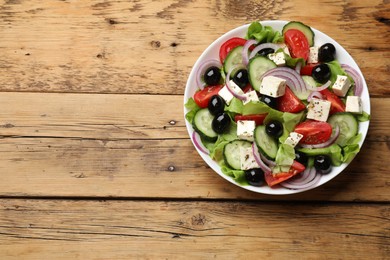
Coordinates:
[202,124]
[256,68]
[303,95]
[348,126]
[233,59]
[266,144]
[232,154]
[306,30]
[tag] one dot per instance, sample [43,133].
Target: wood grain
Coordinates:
[63,229]
[58,167]
[149,47]
[118,116]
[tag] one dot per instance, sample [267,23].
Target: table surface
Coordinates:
[96,161]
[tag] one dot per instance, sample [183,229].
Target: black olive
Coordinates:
[274,128]
[216,105]
[326,52]
[221,123]
[321,73]
[322,163]
[255,177]
[301,157]
[270,101]
[241,78]
[265,51]
[212,76]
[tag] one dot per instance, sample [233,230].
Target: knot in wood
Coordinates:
[171,168]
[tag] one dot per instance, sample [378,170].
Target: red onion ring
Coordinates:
[262,165]
[245,49]
[294,80]
[229,87]
[267,161]
[320,88]
[263,46]
[314,94]
[311,181]
[356,77]
[202,69]
[198,143]
[330,141]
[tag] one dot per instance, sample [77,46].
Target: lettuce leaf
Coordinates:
[284,158]
[335,69]
[363,117]
[235,106]
[193,108]
[263,33]
[237,175]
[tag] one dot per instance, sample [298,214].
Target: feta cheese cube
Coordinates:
[313,55]
[227,95]
[318,109]
[273,86]
[278,58]
[245,129]
[250,96]
[293,139]
[354,104]
[247,159]
[341,85]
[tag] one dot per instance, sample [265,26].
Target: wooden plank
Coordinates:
[108,117]
[150,46]
[40,229]
[158,169]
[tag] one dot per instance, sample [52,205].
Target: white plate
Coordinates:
[320,38]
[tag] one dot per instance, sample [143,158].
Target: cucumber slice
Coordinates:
[234,58]
[306,30]
[348,127]
[256,68]
[305,94]
[232,155]
[203,125]
[266,144]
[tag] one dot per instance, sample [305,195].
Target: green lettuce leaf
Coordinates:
[237,175]
[363,117]
[235,106]
[284,158]
[193,108]
[351,148]
[335,69]
[263,33]
[255,108]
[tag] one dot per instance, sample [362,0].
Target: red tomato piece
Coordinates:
[229,45]
[314,132]
[203,96]
[308,68]
[295,168]
[297,44]
[248,88]
[258,118]
[337,105]
[290,103]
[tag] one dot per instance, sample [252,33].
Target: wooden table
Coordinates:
[95,159]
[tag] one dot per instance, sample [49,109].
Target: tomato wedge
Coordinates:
[308,68]
[290,103]
[203,96]
[295,168]
[229,45]
[314,132]
[337,104]
[297,43]
[258,118]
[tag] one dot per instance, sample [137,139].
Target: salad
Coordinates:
[275,109]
